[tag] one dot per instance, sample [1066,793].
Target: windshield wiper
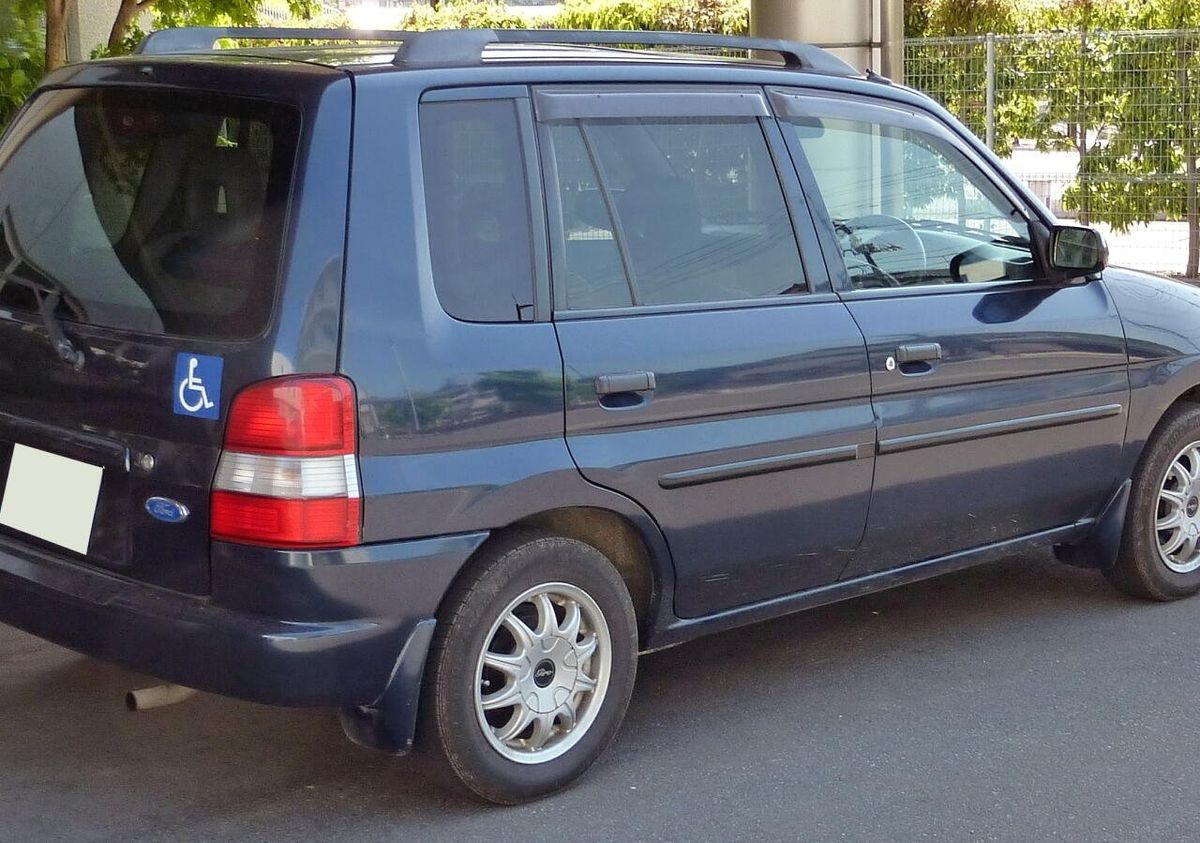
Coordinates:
[63,347]
[47,303]
[48,294]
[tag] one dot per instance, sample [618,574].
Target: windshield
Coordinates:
[154,211]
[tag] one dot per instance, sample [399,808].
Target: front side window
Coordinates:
[909,208]
[670,211]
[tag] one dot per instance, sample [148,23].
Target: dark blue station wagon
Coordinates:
[433,381]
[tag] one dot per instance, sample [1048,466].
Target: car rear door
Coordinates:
[143,226]
[1001,398]
[711,373]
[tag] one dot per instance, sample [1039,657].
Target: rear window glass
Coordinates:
[153,211]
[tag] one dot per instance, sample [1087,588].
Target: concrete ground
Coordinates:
[1019,701]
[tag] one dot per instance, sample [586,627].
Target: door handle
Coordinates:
[625,382]
[923,352]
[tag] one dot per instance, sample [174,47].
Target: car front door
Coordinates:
[712,375]
[1001,398]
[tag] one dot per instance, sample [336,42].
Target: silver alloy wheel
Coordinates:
[1177,516]
[543,673]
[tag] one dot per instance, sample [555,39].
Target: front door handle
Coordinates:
[923,352]
[625,382]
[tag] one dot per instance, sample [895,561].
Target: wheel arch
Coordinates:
[627,537]
[1099,548]
[1145,422]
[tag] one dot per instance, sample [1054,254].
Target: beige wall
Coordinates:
[866,33]
[89,27]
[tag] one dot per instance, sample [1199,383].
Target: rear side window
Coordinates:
[477,201]
[671,211]
[154,211]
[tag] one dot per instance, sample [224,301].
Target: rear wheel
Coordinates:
[1160,549]
[531,668]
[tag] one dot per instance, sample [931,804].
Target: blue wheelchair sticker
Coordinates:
[198,385]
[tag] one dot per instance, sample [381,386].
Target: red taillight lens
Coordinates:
[283,522]
[288,476]
[293,415]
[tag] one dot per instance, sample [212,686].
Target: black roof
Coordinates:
[472,47]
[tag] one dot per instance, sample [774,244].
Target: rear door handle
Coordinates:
[625,382]
[923,352]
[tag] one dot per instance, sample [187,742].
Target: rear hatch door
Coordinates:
[141,235]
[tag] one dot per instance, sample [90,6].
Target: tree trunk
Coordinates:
[56,33]
[1083,215]
[1085,200]
[1193,212]
[126,14]
[1183,78]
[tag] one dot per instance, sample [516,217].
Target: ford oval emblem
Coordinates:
[165,509]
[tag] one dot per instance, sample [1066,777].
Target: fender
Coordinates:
[1164,355]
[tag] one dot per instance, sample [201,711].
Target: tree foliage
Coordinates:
[1147,166]
[1096,80]
[22,42]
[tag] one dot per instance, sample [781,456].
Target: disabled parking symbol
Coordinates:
[198,385]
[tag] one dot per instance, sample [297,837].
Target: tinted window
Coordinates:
[910,209]
[477,201]
[699,213]
[154,211]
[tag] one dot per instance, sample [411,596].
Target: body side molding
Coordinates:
[763,465]
[980,431]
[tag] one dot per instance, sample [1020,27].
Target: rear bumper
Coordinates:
[321,628]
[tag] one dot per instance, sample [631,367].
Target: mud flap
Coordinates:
[1099,548]
[390,723]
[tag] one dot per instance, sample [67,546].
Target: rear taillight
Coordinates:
[288,474]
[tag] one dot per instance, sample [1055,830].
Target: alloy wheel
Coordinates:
[543,673]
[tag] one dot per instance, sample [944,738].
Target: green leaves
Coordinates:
[1115,81]
[21,54]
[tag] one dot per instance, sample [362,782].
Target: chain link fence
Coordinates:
[1103,126]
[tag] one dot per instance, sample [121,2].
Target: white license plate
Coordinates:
[51,497]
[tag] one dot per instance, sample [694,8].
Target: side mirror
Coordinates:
[1078,250]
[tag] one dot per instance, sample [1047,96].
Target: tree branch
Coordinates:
[127,13]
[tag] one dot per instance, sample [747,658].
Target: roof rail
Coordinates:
[192,39]
[457,47]
[440,48]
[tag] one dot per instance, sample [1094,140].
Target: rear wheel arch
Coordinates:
[616,537]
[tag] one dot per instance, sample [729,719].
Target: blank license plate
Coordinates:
[51,497]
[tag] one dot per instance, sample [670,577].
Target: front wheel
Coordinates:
[531,668]
[1160,549]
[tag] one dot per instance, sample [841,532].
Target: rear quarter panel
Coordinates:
[461,424]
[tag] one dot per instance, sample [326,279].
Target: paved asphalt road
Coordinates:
[1019,701]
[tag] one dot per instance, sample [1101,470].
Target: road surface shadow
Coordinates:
[78,764]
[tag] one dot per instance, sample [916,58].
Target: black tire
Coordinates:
[1139,570]
[451,732]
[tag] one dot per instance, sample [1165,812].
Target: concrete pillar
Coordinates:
[866,33]
[89,24]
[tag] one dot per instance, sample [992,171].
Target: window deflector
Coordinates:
[661,101]
[791,103]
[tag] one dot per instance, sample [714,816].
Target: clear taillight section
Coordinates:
[288,474]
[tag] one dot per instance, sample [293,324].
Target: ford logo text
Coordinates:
[165,509]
